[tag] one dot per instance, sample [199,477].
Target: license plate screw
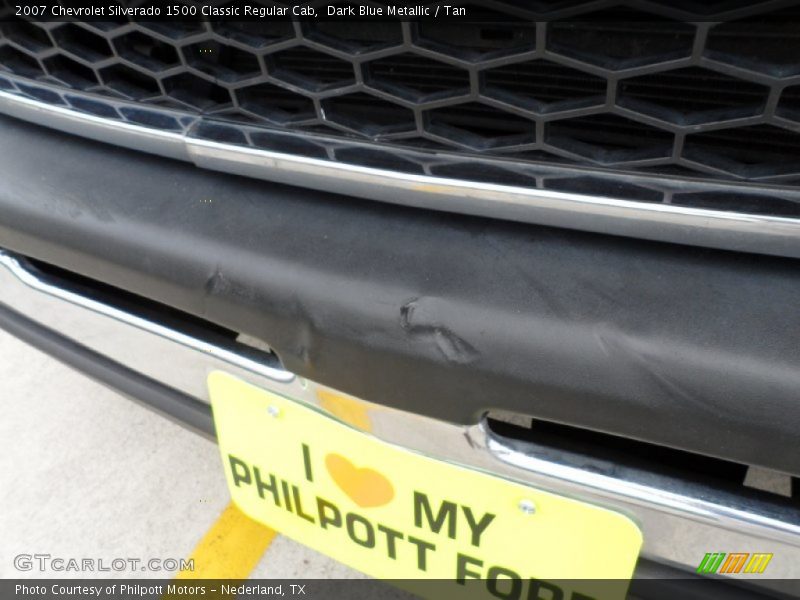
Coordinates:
[274,411]
[527,506]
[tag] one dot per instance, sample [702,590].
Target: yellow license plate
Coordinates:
[395,514]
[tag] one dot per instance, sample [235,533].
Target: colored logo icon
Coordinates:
[734,563]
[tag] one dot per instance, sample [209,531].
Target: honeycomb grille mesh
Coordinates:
[666,88]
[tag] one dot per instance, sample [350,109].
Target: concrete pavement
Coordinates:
[86,473]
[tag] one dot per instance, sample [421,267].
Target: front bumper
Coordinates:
[166,369]
[423,311]
[436,317]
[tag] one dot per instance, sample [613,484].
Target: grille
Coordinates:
[707,92]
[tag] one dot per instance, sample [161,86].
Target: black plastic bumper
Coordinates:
[435,313]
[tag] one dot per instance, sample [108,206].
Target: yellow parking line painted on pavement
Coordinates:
[231,549]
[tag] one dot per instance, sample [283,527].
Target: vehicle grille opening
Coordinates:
[622,452]
[653,89]
[243,344]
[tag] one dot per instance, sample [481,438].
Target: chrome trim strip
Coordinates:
[680,520]
[661,222]
[144,139]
